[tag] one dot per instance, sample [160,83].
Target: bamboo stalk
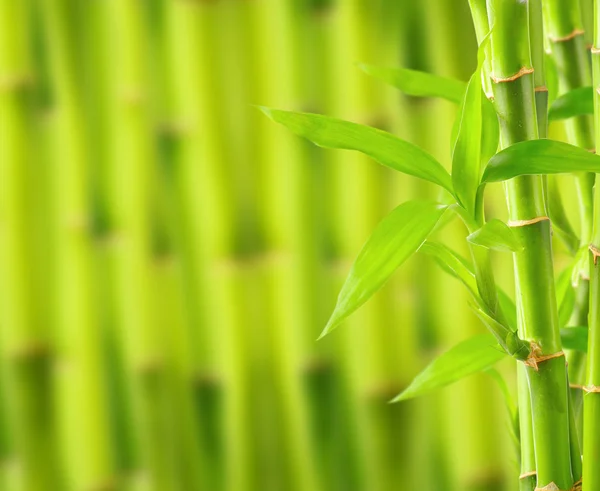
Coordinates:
[130,177]
[591,417]
[26,349]
[84,419]
[566,39]
[515,102]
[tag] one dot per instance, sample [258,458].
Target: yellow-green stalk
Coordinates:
[564,29]
[591,400]
[26,348]
[130,174]
[514,99]
[83,407]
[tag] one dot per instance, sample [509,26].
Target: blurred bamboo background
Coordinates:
[169,256]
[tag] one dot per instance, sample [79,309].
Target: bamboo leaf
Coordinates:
[466,156]
[452,263]
[490,136]
[576,102]
[383,147]
[496,235]
[417,83]
[471,141]
[396,238]
[466,358]
[539,157]
[575,338]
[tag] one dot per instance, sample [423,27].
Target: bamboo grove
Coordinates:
[500,135]
[169,255]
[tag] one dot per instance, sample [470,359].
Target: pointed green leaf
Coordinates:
[490,137]
[385,148]
[575,338]
[496,235]
[452,263]
[466,157]
[467,151]
[419,84]
[396,238]
[471,356]
[577,102]
[539,157]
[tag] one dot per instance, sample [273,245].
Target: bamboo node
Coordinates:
[523,71]
[591,150]
[549,487]
[591,389]
[524,223]
[578,486]
[576,386]
[525,475]
[594,50]
[541,88]
[595,252]
[536,357]
[561,39]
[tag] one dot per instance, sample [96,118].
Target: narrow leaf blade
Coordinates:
[496,235]
[419,84]
[396,238]
[539,157]
[467,151]
[383,147]
[466,358]
[576,102]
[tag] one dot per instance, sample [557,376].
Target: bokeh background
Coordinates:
[169,256]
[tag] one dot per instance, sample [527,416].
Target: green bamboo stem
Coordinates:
[515,103]
[565,33]
[482,261]
[97,64]
[203,220]
[26,351]
[565,37]
[84,418]
[129,195]
[591,417]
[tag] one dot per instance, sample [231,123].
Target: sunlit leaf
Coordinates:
[396,238]
[385,148]
[490,131]
[539,157]
[419,84]
[576,102]
[496,235]
[575,338]
[467,151]
[466,358]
